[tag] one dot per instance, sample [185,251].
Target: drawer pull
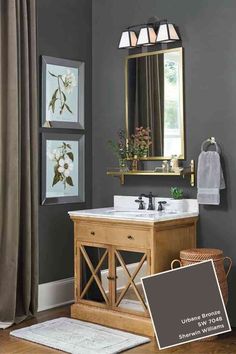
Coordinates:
[130,237]
[111,278]
[92,233]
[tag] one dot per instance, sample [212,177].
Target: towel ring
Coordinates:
[210,141]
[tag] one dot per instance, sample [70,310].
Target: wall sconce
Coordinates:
[128,39]
[166,33]
[149,34]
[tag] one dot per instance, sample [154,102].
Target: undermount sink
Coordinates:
[138,213]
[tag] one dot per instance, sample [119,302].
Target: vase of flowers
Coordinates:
[139,144]
[120,149]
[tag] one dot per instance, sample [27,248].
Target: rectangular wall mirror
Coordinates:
[154,99]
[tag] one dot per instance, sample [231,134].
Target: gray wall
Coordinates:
[64,31]
[208,30]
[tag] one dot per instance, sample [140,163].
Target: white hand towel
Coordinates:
[210,178]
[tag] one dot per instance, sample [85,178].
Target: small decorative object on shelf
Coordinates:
[140,142]
[135,162]
[182,171]
[123,165]
[178,203]
[138,145]
[131,148]
[165,166]
[120,149]
[176,193]
[174,163]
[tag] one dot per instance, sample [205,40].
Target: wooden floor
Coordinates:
[225,344]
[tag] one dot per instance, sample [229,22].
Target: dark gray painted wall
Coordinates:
[64,31]
[208,30]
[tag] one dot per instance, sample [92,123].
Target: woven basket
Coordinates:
[195,255]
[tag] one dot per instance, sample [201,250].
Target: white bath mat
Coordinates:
[78,337]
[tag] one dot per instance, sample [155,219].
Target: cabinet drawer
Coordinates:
[129,236]
[90,232]
[113,235]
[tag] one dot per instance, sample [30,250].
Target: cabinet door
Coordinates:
[92,273]
[130,266]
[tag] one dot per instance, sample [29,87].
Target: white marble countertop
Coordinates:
[137,215]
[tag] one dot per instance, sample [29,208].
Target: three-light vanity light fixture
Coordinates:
[149,34]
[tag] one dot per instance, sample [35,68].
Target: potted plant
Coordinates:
[120,149]
[177,202]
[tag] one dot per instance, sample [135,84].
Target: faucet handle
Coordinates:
[141,203]
[160,205]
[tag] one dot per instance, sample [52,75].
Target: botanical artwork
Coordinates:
[61,168]
[61,93]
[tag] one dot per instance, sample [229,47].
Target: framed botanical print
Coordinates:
[63,168]
[62,93]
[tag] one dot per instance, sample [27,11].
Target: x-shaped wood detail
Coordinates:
[131,279]
[94,273]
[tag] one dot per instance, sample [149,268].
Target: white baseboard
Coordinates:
[55,294]
[61,292]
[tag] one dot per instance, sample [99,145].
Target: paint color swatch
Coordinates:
[186,304]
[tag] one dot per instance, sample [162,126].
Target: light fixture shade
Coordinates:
[167,33]
[128,39]
[147,36]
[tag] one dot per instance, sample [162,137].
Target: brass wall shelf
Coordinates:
[186,171]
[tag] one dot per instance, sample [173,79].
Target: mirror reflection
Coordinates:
[154,99]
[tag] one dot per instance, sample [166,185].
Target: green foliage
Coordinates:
[171,115]
[171,72]
[176,193]
[135,146]
[59,95]
[119,147]
[68,108]
[69,181]
[139,142]
[71,155]
[52,74]
[56,179]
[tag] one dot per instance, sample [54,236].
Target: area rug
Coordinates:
[78,337]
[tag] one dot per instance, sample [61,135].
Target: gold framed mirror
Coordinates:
[154,98]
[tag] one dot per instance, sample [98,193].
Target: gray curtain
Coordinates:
[18,161]
[149,99]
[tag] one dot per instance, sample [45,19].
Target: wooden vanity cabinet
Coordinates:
[110,258]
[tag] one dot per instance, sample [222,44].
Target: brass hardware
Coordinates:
[134,164]
[185,171]
[111,278]
[130,237]
[92,233]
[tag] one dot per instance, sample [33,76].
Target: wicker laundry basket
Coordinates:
[195,255]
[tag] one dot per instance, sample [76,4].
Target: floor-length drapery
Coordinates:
[149,99]
[18,161]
